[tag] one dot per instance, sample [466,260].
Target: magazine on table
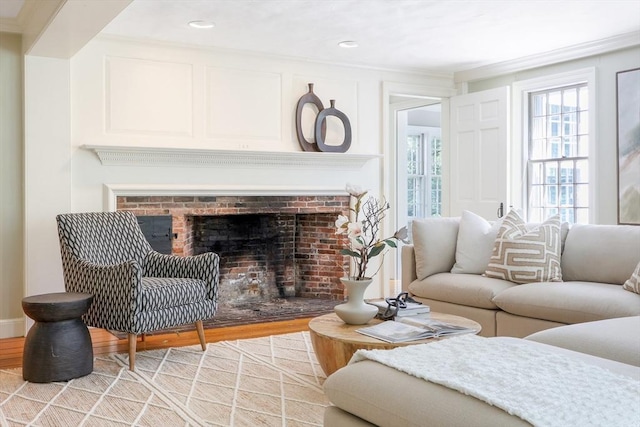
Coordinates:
[412,328]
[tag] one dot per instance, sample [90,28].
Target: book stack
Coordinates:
[411,309]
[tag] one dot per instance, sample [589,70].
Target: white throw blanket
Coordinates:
[540,386]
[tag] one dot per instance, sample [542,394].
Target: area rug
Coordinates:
[270,381]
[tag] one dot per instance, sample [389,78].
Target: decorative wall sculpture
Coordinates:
[320,127]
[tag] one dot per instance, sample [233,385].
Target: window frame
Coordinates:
[520,132]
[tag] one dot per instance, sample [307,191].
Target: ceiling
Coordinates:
[425,35]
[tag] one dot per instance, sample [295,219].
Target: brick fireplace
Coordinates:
[269,246]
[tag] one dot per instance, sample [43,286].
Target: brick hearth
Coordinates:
[296,253]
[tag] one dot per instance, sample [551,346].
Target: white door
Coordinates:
[479,152]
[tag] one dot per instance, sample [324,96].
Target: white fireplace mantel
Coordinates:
[152,156]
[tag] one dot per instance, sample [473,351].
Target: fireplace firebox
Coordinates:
[270,247]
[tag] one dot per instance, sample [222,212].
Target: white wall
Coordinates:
[605,157]
[129,94]
[11,186]
[47,169]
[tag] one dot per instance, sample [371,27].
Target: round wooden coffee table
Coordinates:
[334,342]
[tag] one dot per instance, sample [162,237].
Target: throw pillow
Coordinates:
[434,242]
[476,237]
[633,284]
[523,256]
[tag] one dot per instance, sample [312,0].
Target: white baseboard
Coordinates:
[11,328]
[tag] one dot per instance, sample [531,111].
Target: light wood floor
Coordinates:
[106,343]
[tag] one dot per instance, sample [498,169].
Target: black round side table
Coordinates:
[58,346]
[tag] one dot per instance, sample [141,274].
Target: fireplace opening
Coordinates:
[268,256]
[279,255]
[256,254]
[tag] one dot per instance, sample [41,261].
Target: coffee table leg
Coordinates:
[331,354]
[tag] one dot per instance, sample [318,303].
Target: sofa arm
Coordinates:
[110,286]
[408,256]
[204,267]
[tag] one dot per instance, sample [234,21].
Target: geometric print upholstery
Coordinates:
[521,255]
[106,254]
[198,266]
[165,292]
[103,239]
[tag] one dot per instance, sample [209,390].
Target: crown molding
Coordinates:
[583,50]
[181,157]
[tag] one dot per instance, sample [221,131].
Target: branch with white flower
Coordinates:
[362,234]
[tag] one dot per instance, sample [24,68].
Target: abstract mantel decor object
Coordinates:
[320,127]
[363,244]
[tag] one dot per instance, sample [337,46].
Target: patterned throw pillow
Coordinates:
[526,256]
[633,284]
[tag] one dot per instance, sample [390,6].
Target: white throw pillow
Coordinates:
[523,256]
[434,243]
[633,284]
[476,238]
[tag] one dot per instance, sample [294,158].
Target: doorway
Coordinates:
[419,160]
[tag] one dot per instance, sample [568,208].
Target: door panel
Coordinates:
[479,168]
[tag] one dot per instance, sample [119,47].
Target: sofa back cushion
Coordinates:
[476,237]
[434,242]
[601,253]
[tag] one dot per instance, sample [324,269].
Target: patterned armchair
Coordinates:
[136,290]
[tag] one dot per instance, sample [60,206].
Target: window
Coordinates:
[558,155]
[424,175]
[416,178]
[435,163]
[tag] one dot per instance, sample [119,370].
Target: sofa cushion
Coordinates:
[387,397]
[524,256]
[384,396]
[589,248]
[159,293]
[633,283]
[466,289]
[434,242]
[614,339]
[474,246]
[569,302]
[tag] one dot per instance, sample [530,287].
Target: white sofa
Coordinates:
[369,393]
[595,262]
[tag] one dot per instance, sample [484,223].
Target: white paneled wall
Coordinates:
[235,95]
[148,97]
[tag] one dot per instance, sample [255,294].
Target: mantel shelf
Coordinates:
[152,156]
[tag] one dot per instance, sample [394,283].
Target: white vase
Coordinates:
[355,311]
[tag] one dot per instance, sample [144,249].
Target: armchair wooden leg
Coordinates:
[132,351]
[200,329]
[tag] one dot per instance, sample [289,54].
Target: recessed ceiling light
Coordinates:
[201,24]
[348,44]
